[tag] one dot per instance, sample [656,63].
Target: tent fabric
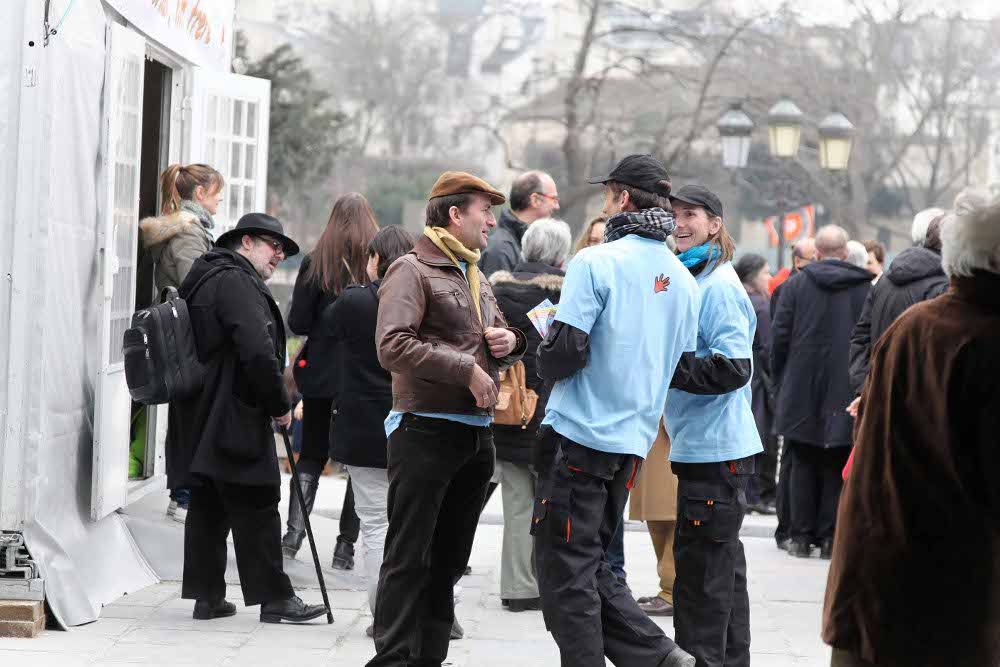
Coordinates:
[85,564]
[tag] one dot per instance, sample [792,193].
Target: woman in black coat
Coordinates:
[337,261]
[538,277]
[364,397]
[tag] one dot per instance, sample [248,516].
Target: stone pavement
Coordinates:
[154,626]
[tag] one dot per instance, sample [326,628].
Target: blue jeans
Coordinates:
[182,495]
[616,551]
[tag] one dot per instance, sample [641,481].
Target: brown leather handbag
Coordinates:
[515,403]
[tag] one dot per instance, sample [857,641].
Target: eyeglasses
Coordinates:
[554,198]
[275,245]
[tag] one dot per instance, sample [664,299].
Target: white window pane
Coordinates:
[250,162]
[251,119]
[225,116]
[222,158]
[248,204]
[236,162]
[234,203]
[212,112]
[210,151]
[238,118]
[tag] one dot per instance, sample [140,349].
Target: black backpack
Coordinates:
[161,359]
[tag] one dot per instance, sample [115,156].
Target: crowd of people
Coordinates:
[673,371]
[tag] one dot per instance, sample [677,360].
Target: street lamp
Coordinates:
[784,127]
[836,135]
[784,130]
[735,128]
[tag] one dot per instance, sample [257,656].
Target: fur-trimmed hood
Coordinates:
[159,229]
[547,281]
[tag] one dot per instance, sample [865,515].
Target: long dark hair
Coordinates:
[390,244]
[341,254]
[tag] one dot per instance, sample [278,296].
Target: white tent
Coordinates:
[89,116]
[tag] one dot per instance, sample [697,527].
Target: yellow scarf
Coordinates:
[451,247]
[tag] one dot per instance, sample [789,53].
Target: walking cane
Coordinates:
[305,516]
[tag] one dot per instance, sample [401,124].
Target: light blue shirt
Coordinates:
[639,306]
[393,420]
[707,429]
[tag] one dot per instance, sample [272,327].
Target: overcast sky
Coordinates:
[840,11]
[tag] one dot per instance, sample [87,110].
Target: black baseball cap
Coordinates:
[697,195]
[640,171]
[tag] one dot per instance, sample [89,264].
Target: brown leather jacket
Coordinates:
[428,335]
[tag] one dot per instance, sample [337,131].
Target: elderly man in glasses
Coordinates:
[533,196]
[227,448]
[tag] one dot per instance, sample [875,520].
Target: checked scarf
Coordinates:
[650,223]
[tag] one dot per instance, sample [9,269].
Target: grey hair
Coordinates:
[921,221]
[857,254]
[546,241]
[970,241]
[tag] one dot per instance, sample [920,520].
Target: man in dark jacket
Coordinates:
[444,340]
[803,254]
[533,196]
[914,276]
[232,461]
[537,278]
[809,350]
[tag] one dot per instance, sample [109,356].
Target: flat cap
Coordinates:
[462,183]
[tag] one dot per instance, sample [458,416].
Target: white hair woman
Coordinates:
[857,254]
[544,250]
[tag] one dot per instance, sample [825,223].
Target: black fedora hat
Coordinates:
[255,224]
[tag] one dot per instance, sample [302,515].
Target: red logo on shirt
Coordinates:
[661,284]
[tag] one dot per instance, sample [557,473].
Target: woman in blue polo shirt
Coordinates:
[713,442]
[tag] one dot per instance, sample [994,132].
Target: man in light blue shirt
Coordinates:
[628,310]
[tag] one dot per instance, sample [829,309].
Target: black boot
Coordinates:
[800,548]
[293,610]
[296,532]
[826,548]
[343,555]
[206,611]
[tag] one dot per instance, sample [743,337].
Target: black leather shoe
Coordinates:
[206,611]
[800,549]
[527,604]
[826,549]
[456,630]
[783,542]
[292,610]
[343,556]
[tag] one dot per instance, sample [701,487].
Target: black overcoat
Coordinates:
[517,293]
[241,340]
[810,344]
[364,394]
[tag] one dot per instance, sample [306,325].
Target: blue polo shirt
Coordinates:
[639,306]
[709,429]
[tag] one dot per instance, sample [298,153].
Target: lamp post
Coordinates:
[784,131]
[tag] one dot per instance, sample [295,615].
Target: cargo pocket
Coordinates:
[539,513]
[709,518]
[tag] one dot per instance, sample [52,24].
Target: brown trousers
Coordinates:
[662,534]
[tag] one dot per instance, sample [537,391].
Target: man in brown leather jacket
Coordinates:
[444,340]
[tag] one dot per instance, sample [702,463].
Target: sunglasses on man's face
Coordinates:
[275,245]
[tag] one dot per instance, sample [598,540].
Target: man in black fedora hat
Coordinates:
[228,450]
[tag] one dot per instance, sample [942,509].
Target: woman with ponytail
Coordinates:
[339,259]
[713,441]
[190,195]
